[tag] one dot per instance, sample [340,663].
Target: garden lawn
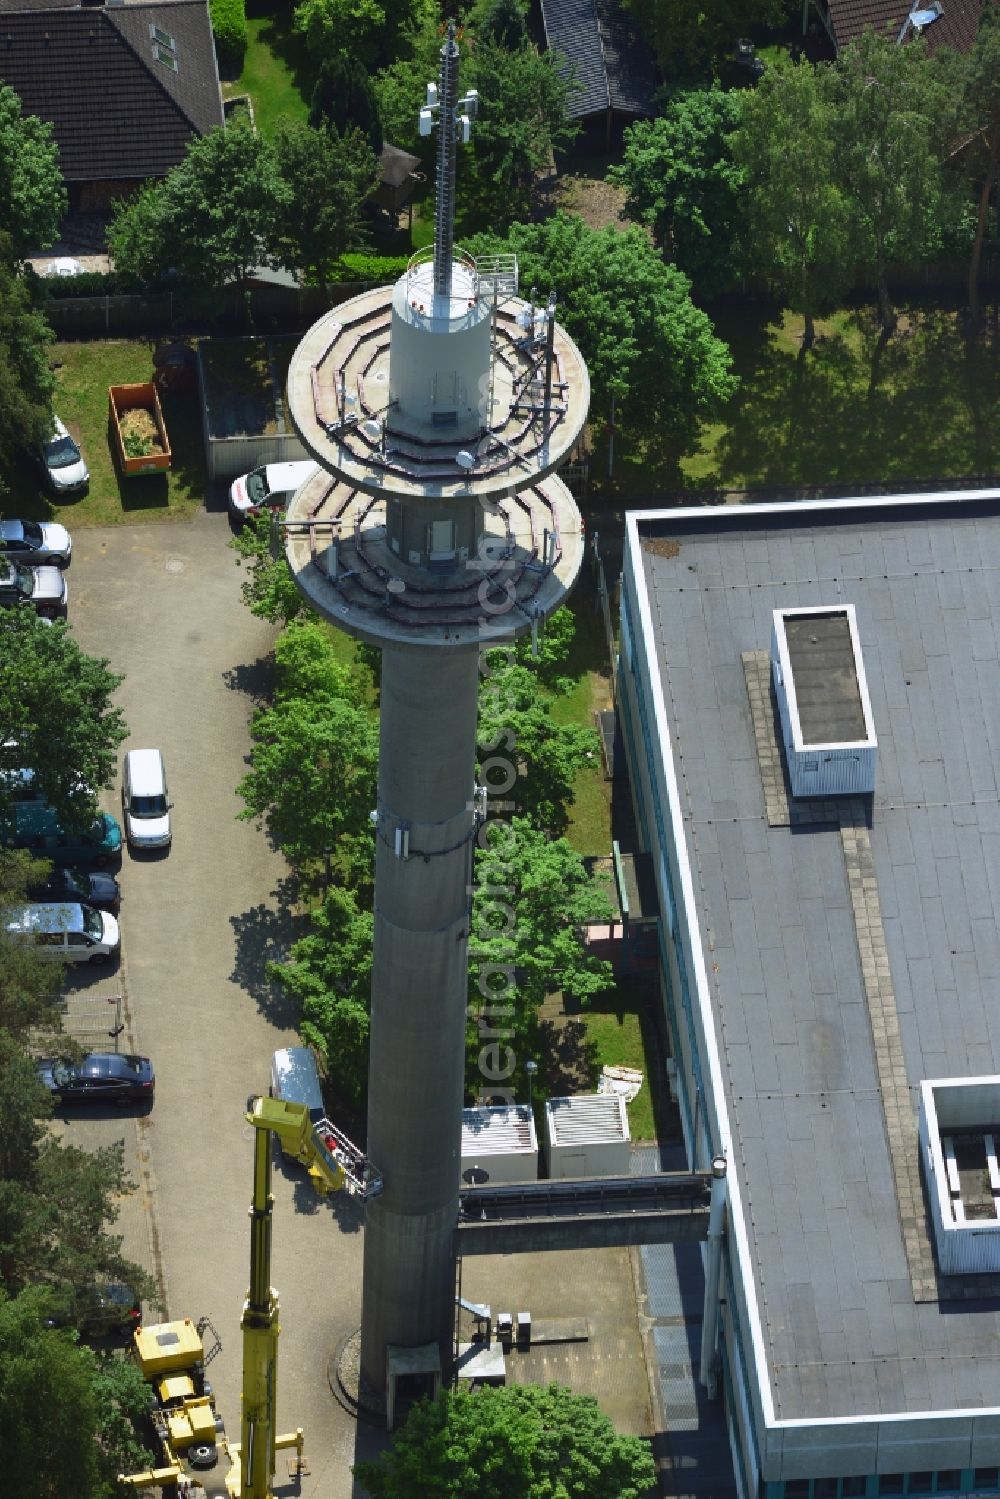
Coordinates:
[589,828]
[925,405]
[84,372]
[276,70]
[615,1038]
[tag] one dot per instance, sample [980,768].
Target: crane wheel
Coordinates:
[203,1455]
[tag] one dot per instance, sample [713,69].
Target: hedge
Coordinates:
[90,284]
[370,267]
[229,23]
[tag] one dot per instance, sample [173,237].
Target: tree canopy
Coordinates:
[890,141]
[981,120]
[344,99]
[645,343]
[798,213]
[26,382]
[681,181]
[531,898]
[516,1442]
[312,770]
[332,174]
[693,40]
[57,708]
[32,195]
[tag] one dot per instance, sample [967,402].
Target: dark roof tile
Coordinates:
[956,27]
[116,112]
[609,66]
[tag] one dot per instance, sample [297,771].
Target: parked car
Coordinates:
[269,487]
[34,825]
[64,931]
[145,808]
[102,1077]
[101,891]
[106,1309]
[62,462]
[43,587]
[35,541]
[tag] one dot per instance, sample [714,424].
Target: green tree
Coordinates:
[682,183]
[693,40]
[344,99]
[29,990]
[138,241]
[982,116]
[26,382]
[890,137]
[531,899]
[269,591]
[373,30]
[332,174]
[504,23]
[312,772]
[56,707]
[48,1406]
[517,1442]
[32,195]
[798,215]
[216,213]
[647,346]
[523,119]
[122,1408]
[518,736]
[329,973]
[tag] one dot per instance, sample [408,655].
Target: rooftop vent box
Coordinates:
[499,1140]
[826,716]
[959,1136]
[587,1135]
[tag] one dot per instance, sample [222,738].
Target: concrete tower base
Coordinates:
[423,872]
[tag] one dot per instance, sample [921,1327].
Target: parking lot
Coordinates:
[198,925]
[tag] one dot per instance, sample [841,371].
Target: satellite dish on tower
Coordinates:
[465,459]
[372,429]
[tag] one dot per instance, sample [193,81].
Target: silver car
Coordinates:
[63,462]
[35,541]
[44,587]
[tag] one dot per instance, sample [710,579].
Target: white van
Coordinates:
[144,800]
[269,487]
[64,931]
[295,1079]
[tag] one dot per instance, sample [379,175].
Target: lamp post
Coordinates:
[530,1067]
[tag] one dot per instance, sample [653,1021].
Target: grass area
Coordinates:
[590,818]
[277,72]
[615,1037]
[924,406]
[84,371]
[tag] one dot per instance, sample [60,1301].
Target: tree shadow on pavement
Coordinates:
[264,934]
[252,678]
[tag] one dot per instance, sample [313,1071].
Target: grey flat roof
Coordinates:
[842,1333]
[825,676]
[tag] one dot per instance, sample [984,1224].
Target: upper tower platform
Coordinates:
[438,410]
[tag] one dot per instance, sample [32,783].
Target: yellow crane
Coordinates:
[172,1355]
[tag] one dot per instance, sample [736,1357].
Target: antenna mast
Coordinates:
[455,118]
[444,212]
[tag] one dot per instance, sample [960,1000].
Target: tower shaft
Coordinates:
[419,997]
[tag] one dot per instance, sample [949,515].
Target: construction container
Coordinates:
[587,1136]
[499,1139]
[145,398]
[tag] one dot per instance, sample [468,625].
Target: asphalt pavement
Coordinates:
[163,604]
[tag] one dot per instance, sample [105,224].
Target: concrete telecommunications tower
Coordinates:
[437,410]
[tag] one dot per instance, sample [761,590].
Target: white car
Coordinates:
[44,587]
[63,462]
[35,541]
[269,486]
[145,803]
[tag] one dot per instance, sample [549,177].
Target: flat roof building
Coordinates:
[824,954]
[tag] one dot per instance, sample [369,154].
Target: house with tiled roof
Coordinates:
[125,87]
[611,70]
[942,23]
